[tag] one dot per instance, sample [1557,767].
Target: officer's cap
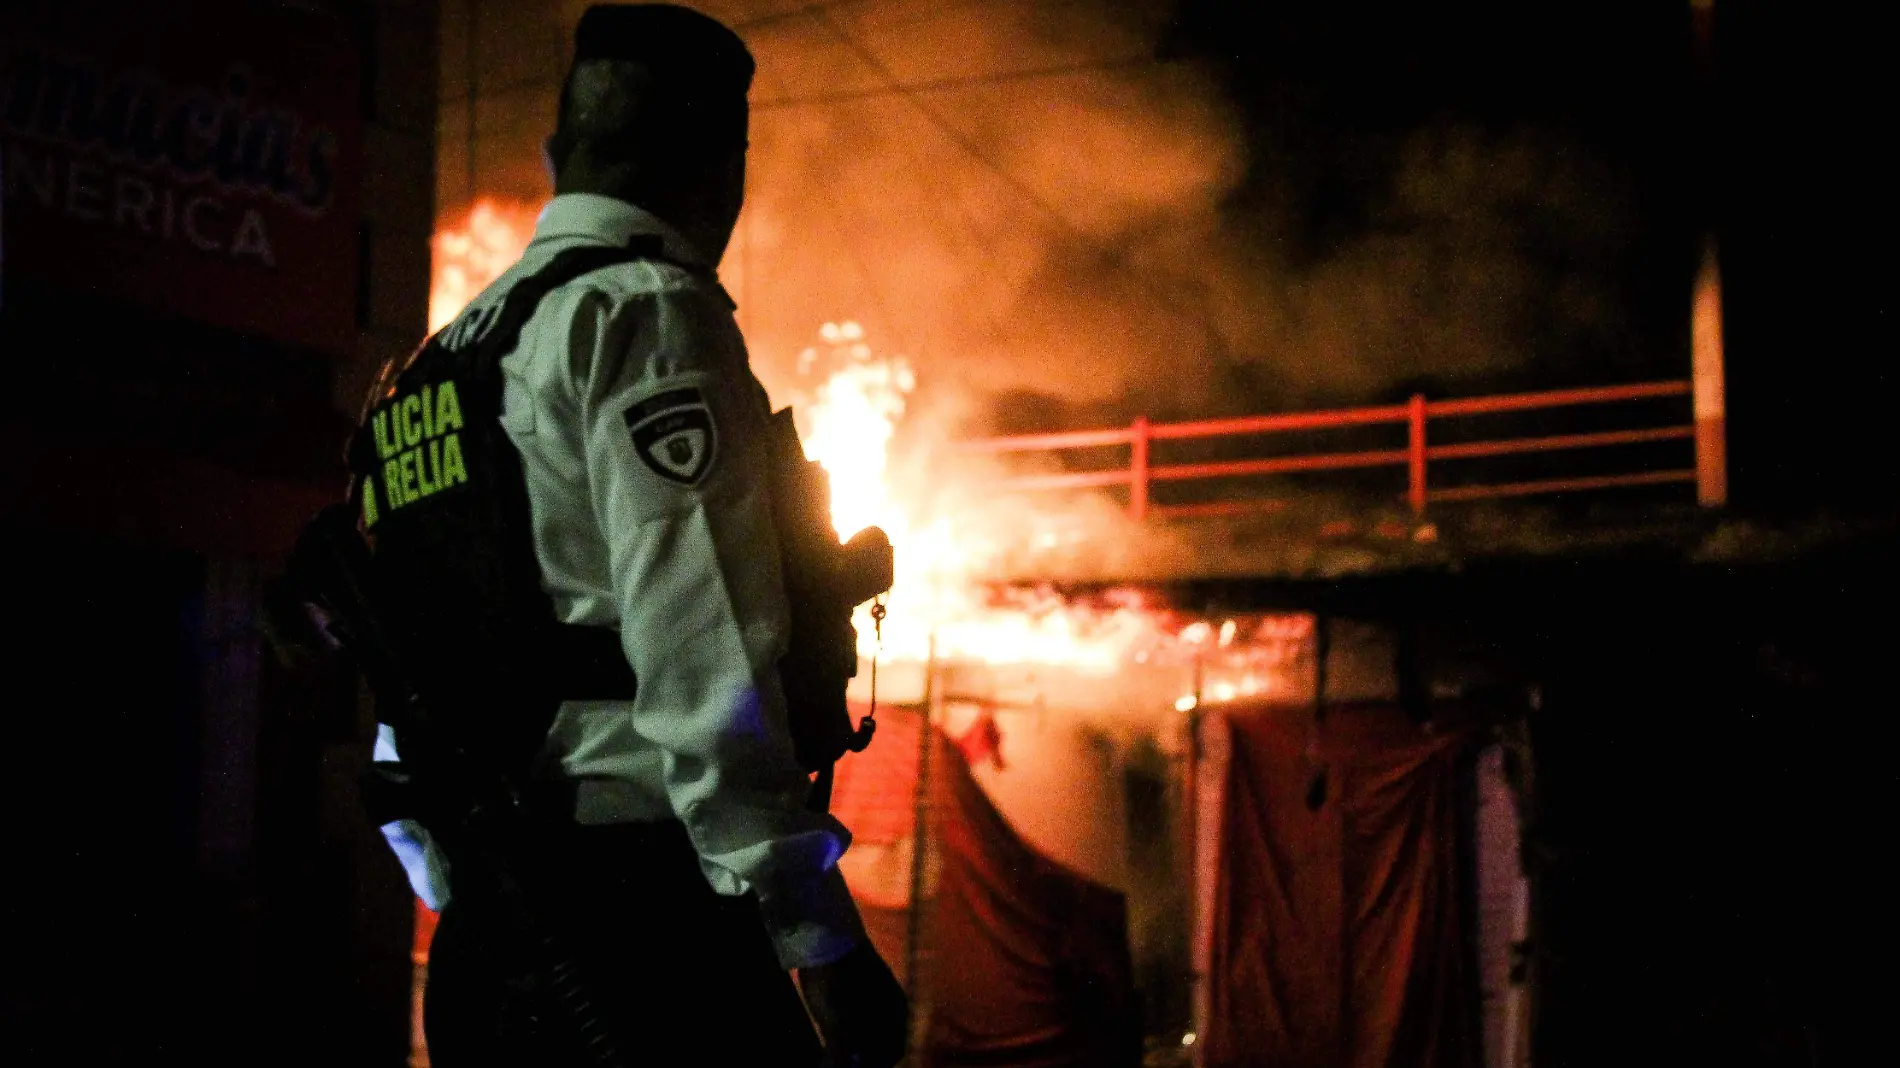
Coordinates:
[680,45]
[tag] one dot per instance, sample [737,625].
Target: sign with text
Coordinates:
[198,157]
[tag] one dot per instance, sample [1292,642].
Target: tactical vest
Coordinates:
[444,505]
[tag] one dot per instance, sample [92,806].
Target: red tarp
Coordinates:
[1026,963]
[1337,940]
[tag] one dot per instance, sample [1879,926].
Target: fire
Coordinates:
[469,256]
[848,419]
[939,606]
[849,426]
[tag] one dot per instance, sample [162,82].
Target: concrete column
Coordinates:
[1711,420]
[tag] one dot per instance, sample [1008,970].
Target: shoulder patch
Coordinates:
[674,434]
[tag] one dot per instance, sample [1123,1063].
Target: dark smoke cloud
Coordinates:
[1124,238]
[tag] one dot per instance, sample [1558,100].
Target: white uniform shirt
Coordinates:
[642,435]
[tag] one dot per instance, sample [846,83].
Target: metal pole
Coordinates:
[1191,853]
[919,860]
[1705,316]
[1711,419]
[1415,453]
[1138,469]
[1514,1044]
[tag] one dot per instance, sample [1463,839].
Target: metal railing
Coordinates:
[1417,457]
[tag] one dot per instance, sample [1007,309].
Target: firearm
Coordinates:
[824,582]
[475,814]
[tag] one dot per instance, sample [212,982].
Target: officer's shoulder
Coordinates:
[645,280]
[664,317]
[627,300]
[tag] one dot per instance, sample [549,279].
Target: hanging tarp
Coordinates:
[1336,938]
[1024,963]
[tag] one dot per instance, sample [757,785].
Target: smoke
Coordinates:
[1118,239]
[1009,235]
[1058,229]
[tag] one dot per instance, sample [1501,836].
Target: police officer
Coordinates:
[691,876]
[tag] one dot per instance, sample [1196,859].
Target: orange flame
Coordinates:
[470,256]
[938,605]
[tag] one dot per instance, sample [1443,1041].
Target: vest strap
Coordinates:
[563,662]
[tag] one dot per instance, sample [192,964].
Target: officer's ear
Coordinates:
[555,150]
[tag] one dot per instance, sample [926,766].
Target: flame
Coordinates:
[848,417]
[472,254]
[938,605]
[849,426]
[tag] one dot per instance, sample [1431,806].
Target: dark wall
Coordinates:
[1710,779]
[1803,177]
[101,795]
[189,878]
[337,911]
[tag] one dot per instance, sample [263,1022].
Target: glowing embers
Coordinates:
[470,255]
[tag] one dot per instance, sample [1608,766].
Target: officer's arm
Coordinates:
[421,858]
[675,458]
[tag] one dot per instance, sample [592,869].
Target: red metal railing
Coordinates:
[1417,457]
